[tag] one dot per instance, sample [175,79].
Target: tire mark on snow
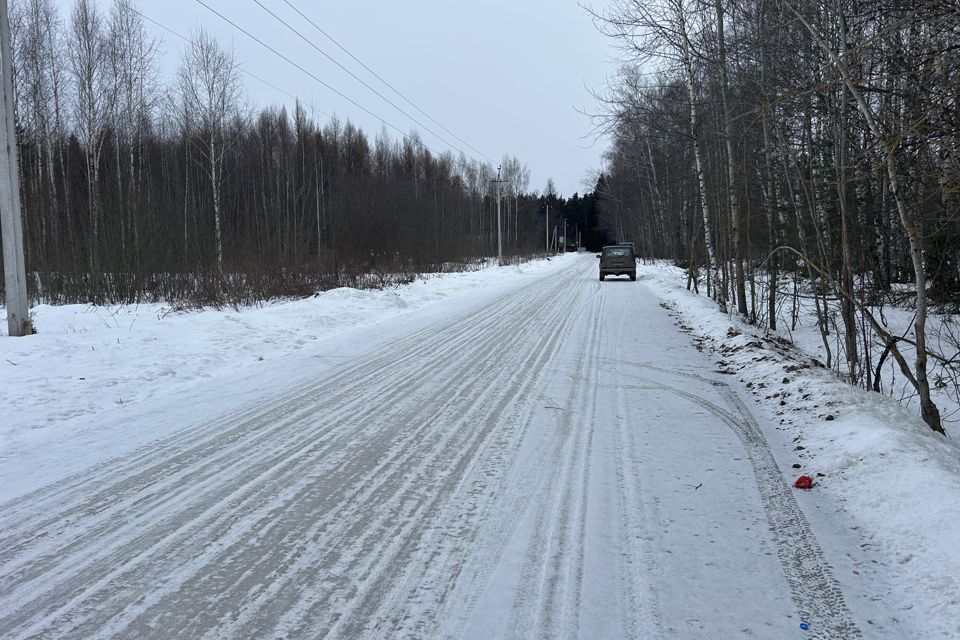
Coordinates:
[466,527]
[100,541]
[141,548]
[131,466]
[373,487]
[814,590]
[552,572]
[365,603]
[639,603]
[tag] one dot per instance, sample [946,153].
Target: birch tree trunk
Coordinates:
[698,162]
[215,173]
[726,134]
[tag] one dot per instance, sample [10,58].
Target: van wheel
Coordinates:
[633,277]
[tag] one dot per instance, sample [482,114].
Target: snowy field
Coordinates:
[515,452]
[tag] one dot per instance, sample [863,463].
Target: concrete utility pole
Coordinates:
[499,182]
[15,277]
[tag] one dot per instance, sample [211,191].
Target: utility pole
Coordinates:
[15,277]
[498,182]
[564,235]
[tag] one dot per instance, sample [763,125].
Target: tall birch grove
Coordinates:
[141,185]
[785,151]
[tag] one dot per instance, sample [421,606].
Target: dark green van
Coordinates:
[618,260]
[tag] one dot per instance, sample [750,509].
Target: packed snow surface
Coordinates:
[514,453]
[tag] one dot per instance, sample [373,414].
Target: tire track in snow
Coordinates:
[214,510]
[814,590]
[551,578]
[487,489]
[378,501]
[638,599]
[231,506]
[365,555]
[211,435]
[366,602]
[98,479]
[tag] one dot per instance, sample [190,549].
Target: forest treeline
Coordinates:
[780,148]
[137,188]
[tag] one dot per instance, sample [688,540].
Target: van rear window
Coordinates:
[617,252]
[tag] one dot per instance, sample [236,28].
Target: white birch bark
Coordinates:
[698,162]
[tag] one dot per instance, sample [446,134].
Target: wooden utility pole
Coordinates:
[15,277]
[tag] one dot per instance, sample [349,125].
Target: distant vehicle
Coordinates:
[618,260]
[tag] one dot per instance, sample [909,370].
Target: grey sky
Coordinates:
[507,76]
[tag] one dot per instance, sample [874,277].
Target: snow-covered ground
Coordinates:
[943,337]
[880,471]
[516,452]
[89,367]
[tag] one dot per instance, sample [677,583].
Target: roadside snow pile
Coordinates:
[877,468]
[86,362]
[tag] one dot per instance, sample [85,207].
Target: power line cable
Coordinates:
[312,75]
[314,109]
[378,77]
[356,77]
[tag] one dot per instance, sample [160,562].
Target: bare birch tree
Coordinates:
[210,85]
[133,61]
[95,91]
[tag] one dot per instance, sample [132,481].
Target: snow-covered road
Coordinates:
[557,461]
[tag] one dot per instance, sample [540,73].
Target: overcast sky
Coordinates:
[507,76]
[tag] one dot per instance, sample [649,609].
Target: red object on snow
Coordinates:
[804,482]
